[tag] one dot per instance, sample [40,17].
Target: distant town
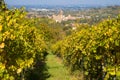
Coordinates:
[65,14]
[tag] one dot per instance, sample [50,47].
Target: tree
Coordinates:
[2,5]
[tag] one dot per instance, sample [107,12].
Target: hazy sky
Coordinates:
[62,2]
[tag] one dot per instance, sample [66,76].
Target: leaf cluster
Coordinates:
[95,51]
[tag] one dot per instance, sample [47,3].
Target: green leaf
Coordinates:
[86,72]
[98,57]
[118,73]
[116,43]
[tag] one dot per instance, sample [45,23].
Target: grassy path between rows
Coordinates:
[56,69]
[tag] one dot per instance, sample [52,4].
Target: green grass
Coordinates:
[56,69]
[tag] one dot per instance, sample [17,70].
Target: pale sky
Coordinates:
[62,2]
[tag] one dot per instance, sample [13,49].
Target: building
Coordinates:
[60,17]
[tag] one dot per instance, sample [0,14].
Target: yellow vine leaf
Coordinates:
[0,27]
[19,70]
[2,45]
[112,73]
